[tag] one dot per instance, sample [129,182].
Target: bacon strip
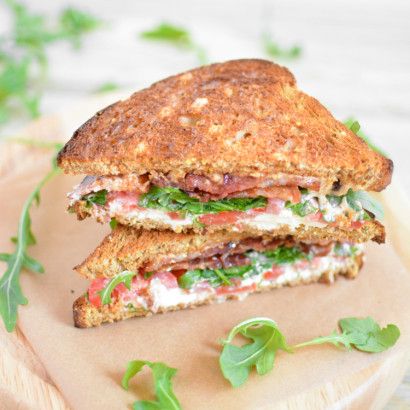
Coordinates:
[232,254]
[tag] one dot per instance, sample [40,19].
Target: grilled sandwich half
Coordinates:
[235,146]
[138,273]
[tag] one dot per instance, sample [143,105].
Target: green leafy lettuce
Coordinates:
[123,277]
[260,262]
[302,208]
[173,199]
[265,340]
[96,198]
[162,374]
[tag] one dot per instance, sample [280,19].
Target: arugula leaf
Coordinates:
[363,334]
[23,58]
[173,199]
[302,208]
[107,87]
[11,295]
[123,277]
[366,334]
[176,36]
[282,255]
[354,126]
[166,399]
[74,23]
[236,362]
[274,50]
[367,202]
[113,223]
[96,198]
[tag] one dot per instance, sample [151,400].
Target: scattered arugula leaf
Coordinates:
[166,399]
[107,87]
[236,362]
[354,126]
[23,58]
[274,50]
[96,198]
[176,36]
[11,295]
[173,199]
[362,334]
[123,277]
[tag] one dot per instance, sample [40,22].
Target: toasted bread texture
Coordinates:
[86,315]
[242,117]
[131,249]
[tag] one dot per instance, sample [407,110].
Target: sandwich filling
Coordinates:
[228,271]
[198,202]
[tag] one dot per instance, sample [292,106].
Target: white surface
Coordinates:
[356,58]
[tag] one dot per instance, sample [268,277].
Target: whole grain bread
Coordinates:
[131,249]
[87,315]
[243,117]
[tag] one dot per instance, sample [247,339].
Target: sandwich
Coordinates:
[139,272]
[219,182]
[231,146]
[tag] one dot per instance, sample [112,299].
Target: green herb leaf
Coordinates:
[107,87]
[173,199]
[367,202]
[113,223]
[354,126]
[11,295]
[96,198]
[176,36]
[166,399]
[366,334]
[302,208]
[123,277]
[282,255]
[363,334]
[274,50]
[236,362]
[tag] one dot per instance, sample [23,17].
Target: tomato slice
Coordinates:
[166,278]
[273,273]
[231,290]
[176,216]
[274,206]
[221,218]
[317,217]
[128,200]
[356,224]
[95,286]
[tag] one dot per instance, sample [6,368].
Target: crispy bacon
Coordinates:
[232,254]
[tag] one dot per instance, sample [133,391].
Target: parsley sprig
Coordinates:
[11,295]
[236,362]
[162,374]
[176,36]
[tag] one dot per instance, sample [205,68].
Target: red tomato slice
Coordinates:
[128,200]
[175,216]
[230,290]
[273,273]
[138,284]
[317,217]
[95,286]
[166,278]
[357,224]
[221,218]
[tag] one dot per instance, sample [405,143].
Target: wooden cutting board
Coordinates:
[24,382]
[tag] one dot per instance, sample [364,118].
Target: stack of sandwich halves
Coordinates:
[219,182]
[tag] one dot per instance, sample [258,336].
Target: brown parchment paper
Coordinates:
[87,364]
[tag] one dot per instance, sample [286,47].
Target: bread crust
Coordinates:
[243,117]
[131,249]
[87,315]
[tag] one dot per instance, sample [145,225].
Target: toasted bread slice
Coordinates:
[241,117]
[130,249]
[86,315]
